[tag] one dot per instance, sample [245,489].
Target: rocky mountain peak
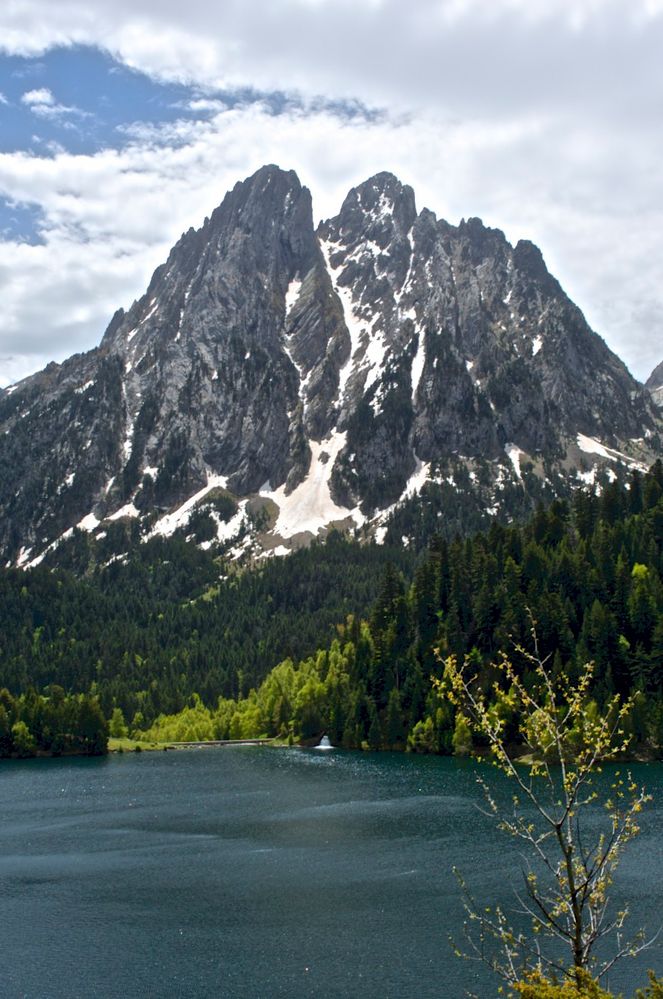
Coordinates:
[268,198]
[528,260]
[379,209]
[286,379]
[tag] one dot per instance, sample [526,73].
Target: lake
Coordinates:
[252,873]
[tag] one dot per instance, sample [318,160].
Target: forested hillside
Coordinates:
[589,574]
[145,634]
[356,631]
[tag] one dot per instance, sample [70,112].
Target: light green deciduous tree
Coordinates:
[561,741]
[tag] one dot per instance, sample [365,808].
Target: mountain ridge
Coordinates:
[278,378]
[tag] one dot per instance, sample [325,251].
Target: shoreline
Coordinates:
[119,746]
[127,745]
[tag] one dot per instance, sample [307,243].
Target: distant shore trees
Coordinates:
[51,724]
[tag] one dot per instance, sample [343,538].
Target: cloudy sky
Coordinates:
[123,122]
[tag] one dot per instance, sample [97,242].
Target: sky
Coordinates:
[124,123]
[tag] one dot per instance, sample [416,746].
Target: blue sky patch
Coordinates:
[20,223]
[77,99]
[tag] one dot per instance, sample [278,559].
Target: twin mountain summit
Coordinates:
[386,373]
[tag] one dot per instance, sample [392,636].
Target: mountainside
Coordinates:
[655,384]
[275,379]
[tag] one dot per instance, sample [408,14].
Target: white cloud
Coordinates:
[204,104]
[38,98]
[42,103]
[541,118]
[3,99]
[427,53]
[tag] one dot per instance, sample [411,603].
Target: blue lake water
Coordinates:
[252,873]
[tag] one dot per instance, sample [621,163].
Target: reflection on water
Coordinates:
[251,873]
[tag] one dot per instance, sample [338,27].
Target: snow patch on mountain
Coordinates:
[375,353]
[291,295]
[513,453]
[226,530]
[366,248]
[128,510]
[589,478]
[591,446]
[298,367]
[385,207]
[68,482]
[356,326]
[304,378]
[310,506]
[38,559]
[23,557]
[89,523]
[418,363]
[127,444]
[417,480]
[277,552]
[399,293]
[168,524]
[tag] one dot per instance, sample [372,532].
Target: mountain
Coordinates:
[276,379]
[655,384]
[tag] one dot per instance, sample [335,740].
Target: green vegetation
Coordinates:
[570,863]
[536,986]
[344,638]
[126,745]
[51,724]
[589,573]
[146,635]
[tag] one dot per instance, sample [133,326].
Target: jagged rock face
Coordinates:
[203,351]
[330,371]
[462,344]
[655,384]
